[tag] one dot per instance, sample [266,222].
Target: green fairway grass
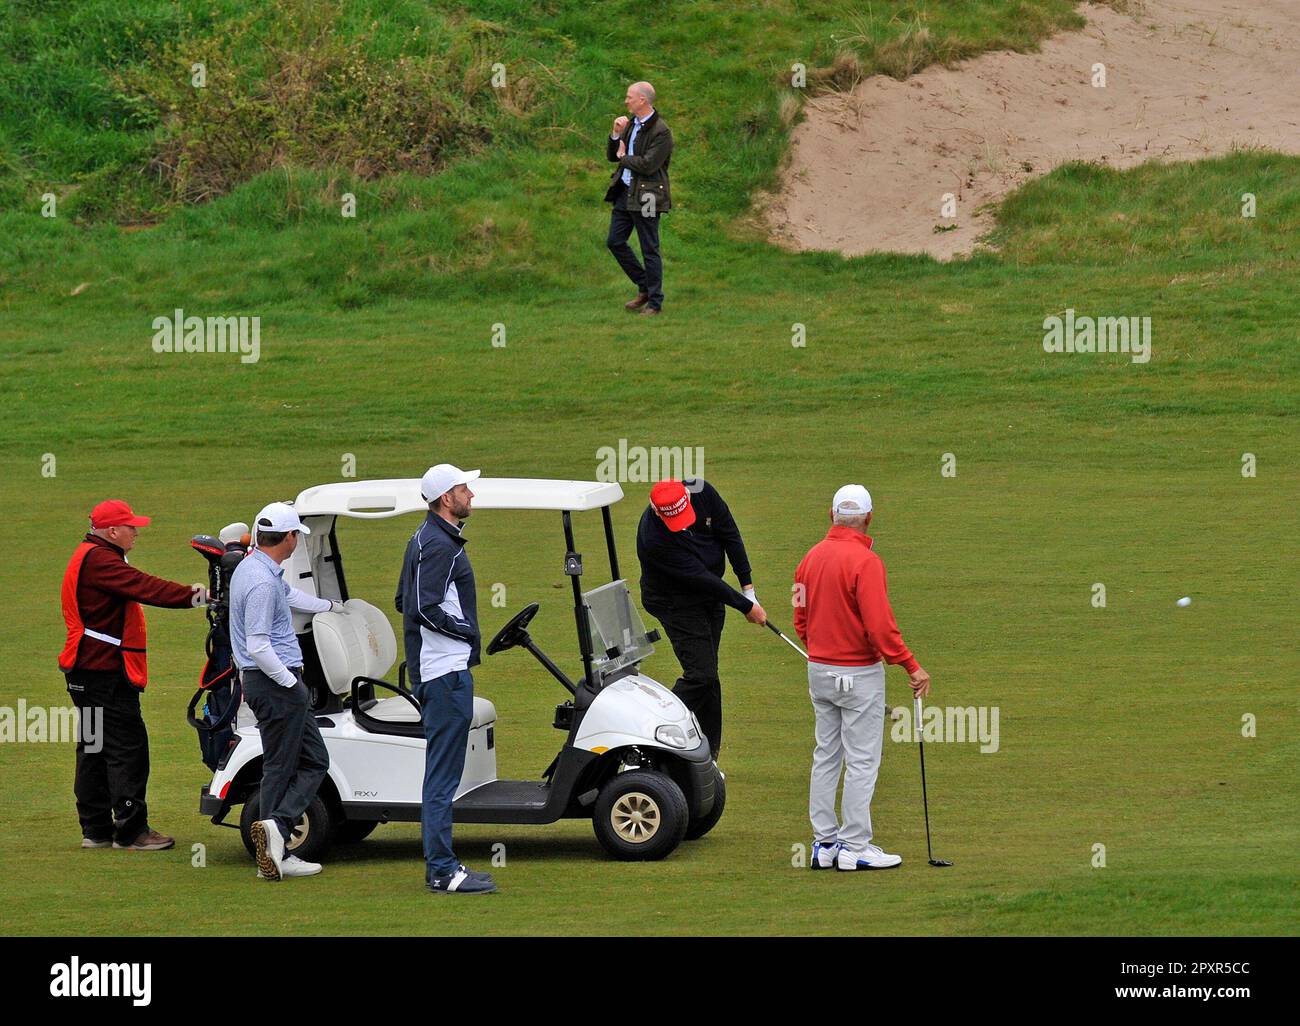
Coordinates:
[1119,726]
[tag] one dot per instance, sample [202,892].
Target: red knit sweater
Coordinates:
[844,618]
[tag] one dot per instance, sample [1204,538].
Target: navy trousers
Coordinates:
[294,757]
[446,710]
[649,279]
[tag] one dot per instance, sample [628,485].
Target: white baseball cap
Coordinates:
[279,518]
[851,501]
[443,478]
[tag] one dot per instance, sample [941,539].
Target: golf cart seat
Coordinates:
[398,710]
[357,647]
[358,642]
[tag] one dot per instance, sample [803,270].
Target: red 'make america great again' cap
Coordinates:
[673,504]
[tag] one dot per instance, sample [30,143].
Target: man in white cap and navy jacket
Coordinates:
[842,615]
[435,595]
[266,651]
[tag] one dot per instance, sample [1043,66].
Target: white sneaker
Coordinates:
[823,854]
[268,845]
[870,857]
[294,866]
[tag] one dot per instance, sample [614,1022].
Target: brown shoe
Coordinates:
[150,840]
[636,304]
[650,310]
[90,842]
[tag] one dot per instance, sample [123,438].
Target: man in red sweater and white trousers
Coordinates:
[842,615]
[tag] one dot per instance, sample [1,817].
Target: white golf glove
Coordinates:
[843,681]
[336,606]
[749,594]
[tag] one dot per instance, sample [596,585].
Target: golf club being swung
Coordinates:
[920,744]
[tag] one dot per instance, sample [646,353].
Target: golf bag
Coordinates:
[219,691]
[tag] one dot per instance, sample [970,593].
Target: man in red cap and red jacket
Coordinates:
[683,540]
[104,663]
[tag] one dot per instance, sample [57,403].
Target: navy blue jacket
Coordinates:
[435,557]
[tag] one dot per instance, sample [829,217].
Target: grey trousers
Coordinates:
[850,736]
[294,757]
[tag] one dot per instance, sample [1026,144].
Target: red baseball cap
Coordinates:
[672,502]
[115,513]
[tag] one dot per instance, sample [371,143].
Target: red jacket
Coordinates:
[105,584]
[844,617]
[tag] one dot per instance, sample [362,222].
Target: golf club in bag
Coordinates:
[219,689]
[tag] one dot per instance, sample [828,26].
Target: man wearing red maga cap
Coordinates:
[103,660]
[685,537]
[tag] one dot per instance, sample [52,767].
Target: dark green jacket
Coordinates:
[649,165]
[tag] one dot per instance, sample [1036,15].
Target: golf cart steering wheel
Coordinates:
[515,632]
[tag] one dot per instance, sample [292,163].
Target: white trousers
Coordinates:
[850,735]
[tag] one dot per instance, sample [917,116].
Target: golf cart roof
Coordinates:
[374,500]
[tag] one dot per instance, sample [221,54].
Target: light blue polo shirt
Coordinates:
[259,604]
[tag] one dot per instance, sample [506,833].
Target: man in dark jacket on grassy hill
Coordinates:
[638,189]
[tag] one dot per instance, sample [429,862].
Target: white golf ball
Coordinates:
[1186,600]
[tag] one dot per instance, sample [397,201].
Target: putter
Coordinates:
[889,710]
[920,742]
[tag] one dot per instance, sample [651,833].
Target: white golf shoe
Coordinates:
[823,854]
[294,866]
[870,857]
[268,845]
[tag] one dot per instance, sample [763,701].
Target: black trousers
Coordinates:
[113,764]
[649,279]
[294,756]
[695,632]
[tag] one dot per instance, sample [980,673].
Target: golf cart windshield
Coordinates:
[617,632]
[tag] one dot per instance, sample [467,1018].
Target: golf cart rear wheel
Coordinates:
[311,835]
[697,828]
[640,816]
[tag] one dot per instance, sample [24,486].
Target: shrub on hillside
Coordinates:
[284,87]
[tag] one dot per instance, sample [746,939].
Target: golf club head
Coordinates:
[208,547]
[233,532]
[940,863]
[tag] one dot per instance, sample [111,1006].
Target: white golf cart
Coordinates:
[633,760]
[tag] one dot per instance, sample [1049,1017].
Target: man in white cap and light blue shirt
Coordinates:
[842,615]
[436,597]
[266,651]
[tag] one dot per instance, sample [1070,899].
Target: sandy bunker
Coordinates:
[1184,79]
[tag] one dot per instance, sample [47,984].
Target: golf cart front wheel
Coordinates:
[640,816]
[697,828]
[311,834]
